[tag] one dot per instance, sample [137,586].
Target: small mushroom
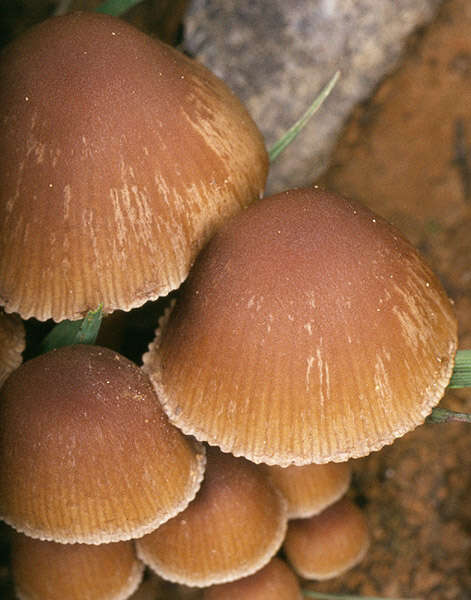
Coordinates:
[50,571]
[309,330]
[235,525]
[309,489]
[327,544]
[276,581]
[119,157]
[86,452]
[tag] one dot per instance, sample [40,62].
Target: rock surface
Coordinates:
[278,55]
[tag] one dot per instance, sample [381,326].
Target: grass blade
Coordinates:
[293,131]
[66,333]
[445,415]
[116,8]
[462,371]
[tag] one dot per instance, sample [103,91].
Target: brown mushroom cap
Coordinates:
[327,544]
[119,157]
[12,344]
[86,453]
[308,331]
[276,581]
[235,525]
[309,489]
[47,570]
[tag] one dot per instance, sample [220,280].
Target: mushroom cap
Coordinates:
[86,452]
[235,525]
[12,344]
[327,544]
[309,330]
[309,489]
[119,158]
[275,581]
[73,571]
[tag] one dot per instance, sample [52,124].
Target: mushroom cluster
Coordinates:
[308,332]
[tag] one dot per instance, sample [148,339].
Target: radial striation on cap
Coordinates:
[12,344]
[47,570]
[328,544]
[235,525]
[119,158]
[308,331]
[86,452]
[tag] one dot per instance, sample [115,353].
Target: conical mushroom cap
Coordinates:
[12,344]
[308,331]
[73,571]
[233,527]
[328,544]
[86,452]
[119,157]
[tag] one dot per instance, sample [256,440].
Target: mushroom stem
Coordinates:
[322,596]
[444,415]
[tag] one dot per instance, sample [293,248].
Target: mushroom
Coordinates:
[309,489]
[47,570]
[86,452]
[328,544]
[308,331]
[235,525]
[120,157]
[12,344]
[276,581]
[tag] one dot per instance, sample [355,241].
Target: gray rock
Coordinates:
[278,54]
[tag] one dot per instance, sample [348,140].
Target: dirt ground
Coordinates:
[406,153]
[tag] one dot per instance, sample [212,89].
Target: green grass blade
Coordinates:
[322,596]
[116,8]
[293,131]
[66,333]
[461,378]
[445,415]
[462,371]
[90,327]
